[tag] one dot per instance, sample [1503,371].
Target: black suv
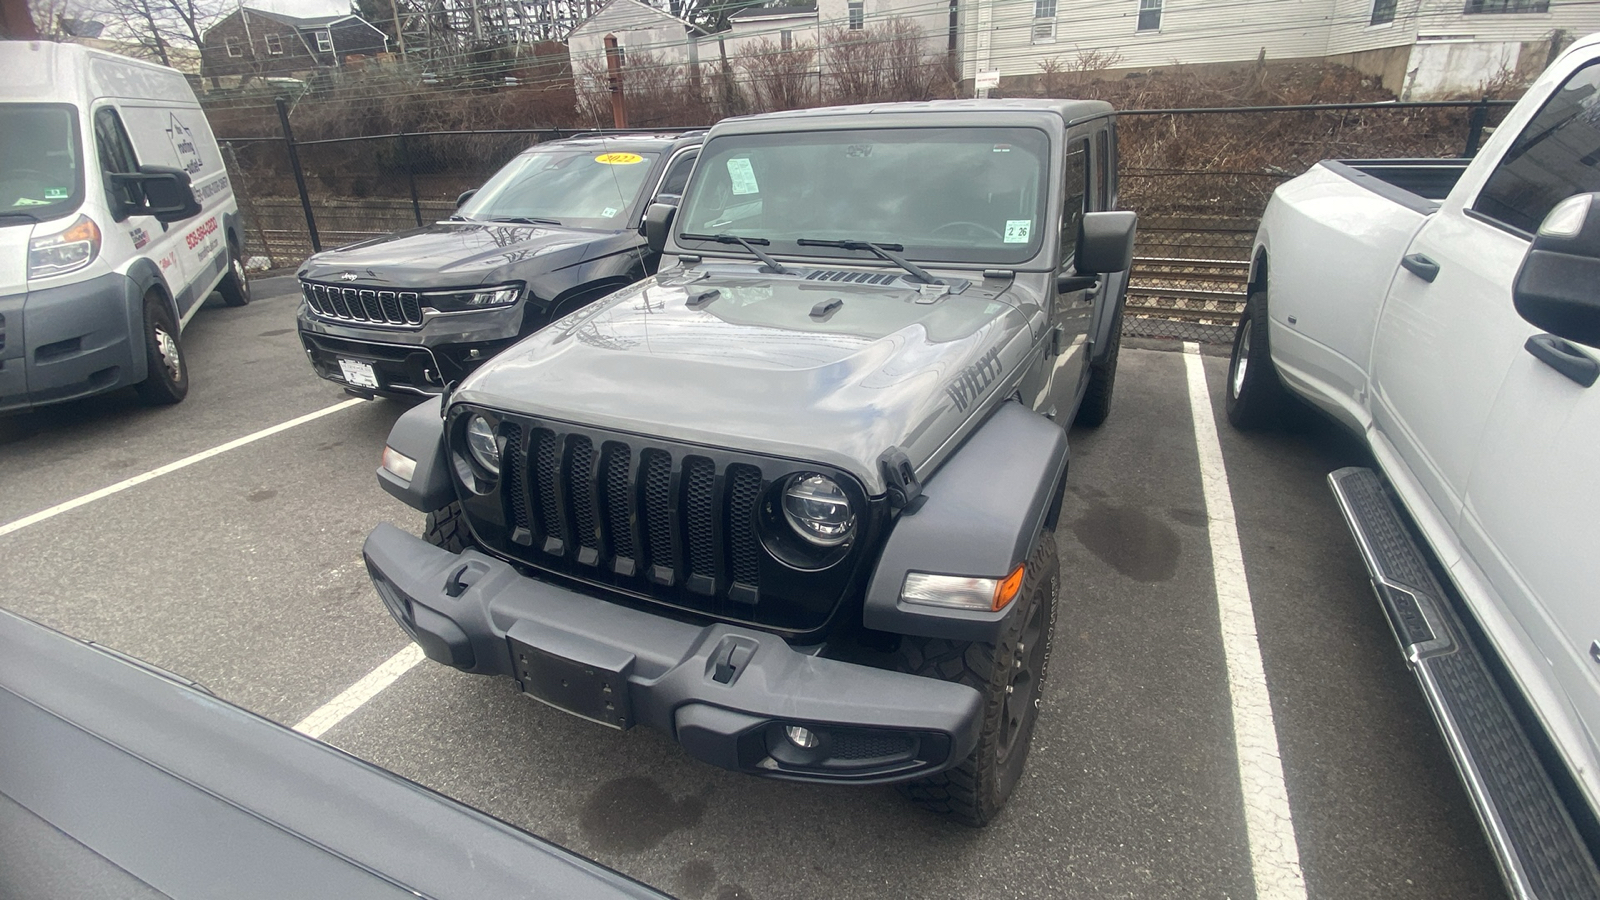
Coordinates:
[555,229]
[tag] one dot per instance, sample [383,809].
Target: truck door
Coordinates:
[178,136]
[1071,311]
[150,238]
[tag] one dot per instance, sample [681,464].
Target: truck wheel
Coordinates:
[167,381]
[446,528]
[1010,676]
[1255,396]
[1096,403]
[235,286]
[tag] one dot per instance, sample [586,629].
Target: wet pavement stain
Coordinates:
[1131,541]
[631,814]
[256,496]
[1193,517]
[697,877]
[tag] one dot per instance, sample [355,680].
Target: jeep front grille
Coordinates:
[362,304]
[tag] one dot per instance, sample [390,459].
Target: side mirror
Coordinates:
[465,196]
[657,222]
[166,194]
[1554,289]
[1105,242]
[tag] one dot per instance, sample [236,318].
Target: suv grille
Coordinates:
[673,523]
[358,304]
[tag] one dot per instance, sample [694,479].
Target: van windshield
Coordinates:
[41,168]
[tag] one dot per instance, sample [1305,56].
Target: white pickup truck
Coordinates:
[1446,311]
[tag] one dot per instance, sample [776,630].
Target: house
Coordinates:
[640,29]
[1420,49]
[256,43]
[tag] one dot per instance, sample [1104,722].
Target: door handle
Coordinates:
[1421,266]
[1560,355]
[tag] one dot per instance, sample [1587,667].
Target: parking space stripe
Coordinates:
[1274,854]
[187,461]
[334,711]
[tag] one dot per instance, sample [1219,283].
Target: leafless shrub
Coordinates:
[883,63]
[778,78]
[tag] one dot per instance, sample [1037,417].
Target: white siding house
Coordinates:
[639,29]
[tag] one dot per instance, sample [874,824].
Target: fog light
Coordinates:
[401,466]
[801,737]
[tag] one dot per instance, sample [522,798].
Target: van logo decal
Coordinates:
[348,276]
[140,238]
[184,145]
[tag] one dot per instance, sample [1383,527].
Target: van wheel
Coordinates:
[1096,403]
[1255,397]
[235,286]
[1010,675]
[167,381]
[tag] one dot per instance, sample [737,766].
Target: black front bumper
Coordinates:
[727,694]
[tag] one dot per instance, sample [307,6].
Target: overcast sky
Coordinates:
[302,7]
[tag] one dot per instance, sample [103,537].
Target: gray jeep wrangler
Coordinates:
[792,501]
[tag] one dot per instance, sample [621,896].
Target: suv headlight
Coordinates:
[482,444]
[818,510]
[64,251]
[468,301]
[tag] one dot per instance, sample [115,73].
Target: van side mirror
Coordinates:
[1105,242]
[657,223]
[465,196]
[162,191]
[1554,289]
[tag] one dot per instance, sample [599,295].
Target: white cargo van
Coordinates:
[117,220]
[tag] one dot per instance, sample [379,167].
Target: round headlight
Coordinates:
[481,441]
[818,510]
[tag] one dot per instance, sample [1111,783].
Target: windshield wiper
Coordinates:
[748,244]
[884,251]
[524,220]
[26,217]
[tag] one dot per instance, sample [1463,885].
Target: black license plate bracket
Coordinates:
[573,674]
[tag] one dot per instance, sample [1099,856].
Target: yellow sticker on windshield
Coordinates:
[619,159]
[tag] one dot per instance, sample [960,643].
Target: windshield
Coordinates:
[967,195]
[40,167]
[582,188]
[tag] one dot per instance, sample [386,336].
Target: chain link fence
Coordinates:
[1199,179]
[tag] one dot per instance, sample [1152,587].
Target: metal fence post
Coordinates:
[1475,123]
[411,178]
[299,176]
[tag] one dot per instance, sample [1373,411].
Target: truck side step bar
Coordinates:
[1539,851]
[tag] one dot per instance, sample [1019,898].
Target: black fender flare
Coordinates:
[419,435]
[982,514]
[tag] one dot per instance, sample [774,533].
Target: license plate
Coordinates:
[358,373]
[595,689]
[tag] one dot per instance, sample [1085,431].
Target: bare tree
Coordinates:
[158,26]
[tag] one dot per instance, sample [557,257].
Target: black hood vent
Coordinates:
[859,277]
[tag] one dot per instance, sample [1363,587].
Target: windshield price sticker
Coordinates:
[1017,230]
[742,176]
[619,159]
[608,212]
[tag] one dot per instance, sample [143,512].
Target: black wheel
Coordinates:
[1010,676]
[446,527]
[235,286]
[1096,403]
[1255,397]
[167,378]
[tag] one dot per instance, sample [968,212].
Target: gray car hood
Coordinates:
[753,368]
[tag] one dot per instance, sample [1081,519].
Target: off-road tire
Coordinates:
[975,791]
[235,286]
[162,385]
[1255,397]
[446,527]
[1096,403]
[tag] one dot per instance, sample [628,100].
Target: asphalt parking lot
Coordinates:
[242,571]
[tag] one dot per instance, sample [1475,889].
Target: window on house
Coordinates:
[1149,15]
[1507,6]
[325,41]
[1044,21]
[786,39]
[858,15]
[234,50]
[274,45]
[1382,12]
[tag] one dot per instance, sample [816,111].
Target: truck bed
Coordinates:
[1418,184]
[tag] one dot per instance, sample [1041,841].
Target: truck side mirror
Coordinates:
[165,191]
[1105,242]
[657,222]
[465,196]
[1555,288]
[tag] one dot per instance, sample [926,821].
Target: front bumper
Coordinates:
[72,341]
[726,694]
[410,361]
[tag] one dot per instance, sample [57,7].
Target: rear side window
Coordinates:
[678,175]
[1552,159]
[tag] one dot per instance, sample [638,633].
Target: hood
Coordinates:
[452,254]
[763,366]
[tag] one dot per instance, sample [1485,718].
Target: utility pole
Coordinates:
[16,21]
[619,102]
[394,7]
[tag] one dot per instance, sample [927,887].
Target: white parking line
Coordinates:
[334,711]
[170,467]
[1274,854]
